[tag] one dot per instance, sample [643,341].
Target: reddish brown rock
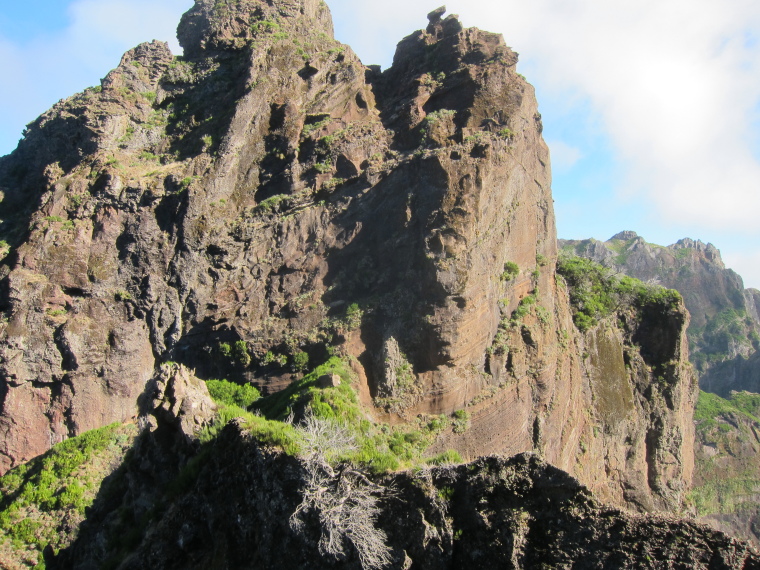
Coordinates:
[267,197]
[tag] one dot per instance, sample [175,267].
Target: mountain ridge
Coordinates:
[227,209]
[375,248]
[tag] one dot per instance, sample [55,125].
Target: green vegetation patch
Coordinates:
[315,123]
[523,308]
[435,116]
[58,485]
[271,204]
[380,447]
[236,352]
[595,292]
[450,457]
[231,394]
[711,407]
[725,495]
[278,406]
[719,338]
[511,270]
[727,477]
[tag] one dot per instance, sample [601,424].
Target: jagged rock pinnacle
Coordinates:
[436,14]
[224,24]
[625,235]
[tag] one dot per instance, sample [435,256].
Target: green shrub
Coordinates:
[595,292]
[122,295]
[511,270]
[449,457]
[333,183]
[232,394]
[271,203]
[145,155]
[236,352]
[273,433]
[354,315]
[265,26]
[461,421]
[432,118]
[300,361]
[523,308]
[317,122]
[56,312]
[185,183]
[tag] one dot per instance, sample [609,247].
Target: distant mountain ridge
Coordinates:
[724,334]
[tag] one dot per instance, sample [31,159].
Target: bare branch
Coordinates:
[345,502]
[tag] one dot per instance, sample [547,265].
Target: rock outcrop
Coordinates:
[266,201]
[724,333]
[235,508]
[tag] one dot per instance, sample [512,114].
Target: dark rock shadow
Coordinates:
[382,264]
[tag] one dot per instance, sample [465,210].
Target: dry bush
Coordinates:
[345,501]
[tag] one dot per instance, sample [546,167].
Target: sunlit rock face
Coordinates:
[267,200]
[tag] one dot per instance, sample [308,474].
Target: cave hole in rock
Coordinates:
[277,116]
[75,292]
[307,72]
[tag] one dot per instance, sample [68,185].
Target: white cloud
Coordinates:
[746,264]
[373,29]
[564,156]
[125,22]
[55,65]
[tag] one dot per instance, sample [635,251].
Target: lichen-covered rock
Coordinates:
[181,400]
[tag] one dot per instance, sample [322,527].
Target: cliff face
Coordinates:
[266,201]
[725,328]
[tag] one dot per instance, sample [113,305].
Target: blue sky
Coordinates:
[650,108]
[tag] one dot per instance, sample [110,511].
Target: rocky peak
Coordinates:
[625,235]
[709,251]
[464,79]
[213,25]
[140,68]
[266,203]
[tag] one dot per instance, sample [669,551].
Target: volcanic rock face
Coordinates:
[267,200]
